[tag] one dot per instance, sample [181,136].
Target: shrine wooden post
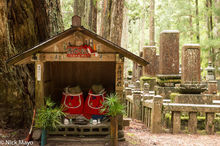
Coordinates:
[39,82]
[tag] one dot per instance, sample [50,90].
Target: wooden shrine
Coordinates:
[75,56]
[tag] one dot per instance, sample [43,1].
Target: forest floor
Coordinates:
[136,135]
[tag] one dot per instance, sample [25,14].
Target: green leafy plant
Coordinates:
[113,106]
[49,116]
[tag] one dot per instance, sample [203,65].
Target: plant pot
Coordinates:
[114,131]
[43,137]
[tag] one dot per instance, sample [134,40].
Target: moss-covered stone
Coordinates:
[163,82]
[150,80]
[172,96]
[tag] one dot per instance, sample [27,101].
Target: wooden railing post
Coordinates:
[192,123]
[156,115]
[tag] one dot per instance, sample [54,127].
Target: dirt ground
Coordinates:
[137,135]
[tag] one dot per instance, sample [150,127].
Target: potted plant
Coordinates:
[48,117]
[113,108]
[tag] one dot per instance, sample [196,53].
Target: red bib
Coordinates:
[94,104]
[73,103]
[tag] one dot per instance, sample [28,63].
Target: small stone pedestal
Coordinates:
[212,87]
[151,81]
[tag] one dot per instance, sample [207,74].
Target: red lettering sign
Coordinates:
[82,51]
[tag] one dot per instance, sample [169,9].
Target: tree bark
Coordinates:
[190,21]
[217,20]
[106,19]
[124,41]
[25,24]
[151,24]
[116,21]
[4,47]
[142,32]
[197,22]
[53,10]
[209,18]
[210,28]
[87,10]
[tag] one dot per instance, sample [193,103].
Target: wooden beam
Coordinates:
[63,57]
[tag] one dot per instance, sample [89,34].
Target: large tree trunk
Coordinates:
[209,18]
[142,32]
[124,41]
[210,28]
[53,10]
[87,10]
[28,22]
[190,21]
[217,20]
[4,47]
[106,19]
[116,21]
[151,24]
[197,22]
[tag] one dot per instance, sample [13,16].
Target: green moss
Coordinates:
[149,80]
[167,77]
[144,78]
[168,81]
[172,96]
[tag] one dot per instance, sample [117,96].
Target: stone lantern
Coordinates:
[210,77]
[210,72]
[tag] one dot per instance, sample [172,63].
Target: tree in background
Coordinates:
[197,21]
[23,25]
[116,22]
[105,19]
[151,24]
[87,10]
